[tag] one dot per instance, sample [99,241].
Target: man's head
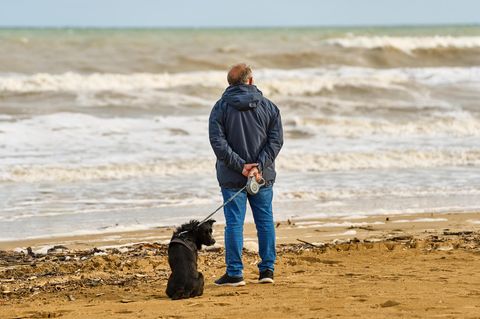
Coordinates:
[240,74]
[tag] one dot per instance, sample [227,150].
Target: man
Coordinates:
[246,135]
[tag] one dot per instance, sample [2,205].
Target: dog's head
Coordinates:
[204,234]
[199,234]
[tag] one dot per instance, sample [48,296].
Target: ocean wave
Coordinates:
[435,124]
[290,162]
[165,51]
[339,196]
[408,158]
[73,82]
[407,44]
[76,137]
[36,173]
[271,81]
[318,80]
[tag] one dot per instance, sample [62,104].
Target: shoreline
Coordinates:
[308,229]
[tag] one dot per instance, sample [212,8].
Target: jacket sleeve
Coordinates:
[274,141]
[218,140]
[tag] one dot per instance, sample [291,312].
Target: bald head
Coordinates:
[239,74]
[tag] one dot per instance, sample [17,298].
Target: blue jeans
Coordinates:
[235,211]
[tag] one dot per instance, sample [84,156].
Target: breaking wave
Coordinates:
[272,81]
[340,161]
[455,123]
[407,44]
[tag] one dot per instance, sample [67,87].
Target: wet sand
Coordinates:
[417,266]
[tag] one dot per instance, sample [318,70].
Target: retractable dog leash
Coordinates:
[252,187]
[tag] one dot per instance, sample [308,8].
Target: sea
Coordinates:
[105,130]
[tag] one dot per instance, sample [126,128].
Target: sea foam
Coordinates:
[407,44]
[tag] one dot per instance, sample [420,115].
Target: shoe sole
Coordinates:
[266,281]
[232,284]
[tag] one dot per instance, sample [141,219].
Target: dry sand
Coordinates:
[419,266]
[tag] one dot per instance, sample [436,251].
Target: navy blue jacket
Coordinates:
[244,127]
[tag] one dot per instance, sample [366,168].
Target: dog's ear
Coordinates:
[211,221]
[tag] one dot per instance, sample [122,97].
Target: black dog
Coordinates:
[185,280]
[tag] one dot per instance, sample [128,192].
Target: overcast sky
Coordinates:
[247,13]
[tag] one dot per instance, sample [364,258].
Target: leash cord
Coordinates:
[223,205]
[216,210]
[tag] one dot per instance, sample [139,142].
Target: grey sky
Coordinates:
[198,13]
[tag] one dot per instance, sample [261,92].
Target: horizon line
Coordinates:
[340,26]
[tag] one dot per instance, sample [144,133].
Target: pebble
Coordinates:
[445,248]
[5,290]
[126,300]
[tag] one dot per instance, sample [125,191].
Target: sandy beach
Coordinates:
[409,266]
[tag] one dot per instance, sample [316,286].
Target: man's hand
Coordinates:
[248,167]
[255,172]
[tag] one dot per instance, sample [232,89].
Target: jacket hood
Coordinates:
[243,97]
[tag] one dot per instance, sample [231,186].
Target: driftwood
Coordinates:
[306,242]
[458,233]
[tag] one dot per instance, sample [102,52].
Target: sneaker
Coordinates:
[266,277]
[226,280]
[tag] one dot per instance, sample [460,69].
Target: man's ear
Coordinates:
[250,81]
